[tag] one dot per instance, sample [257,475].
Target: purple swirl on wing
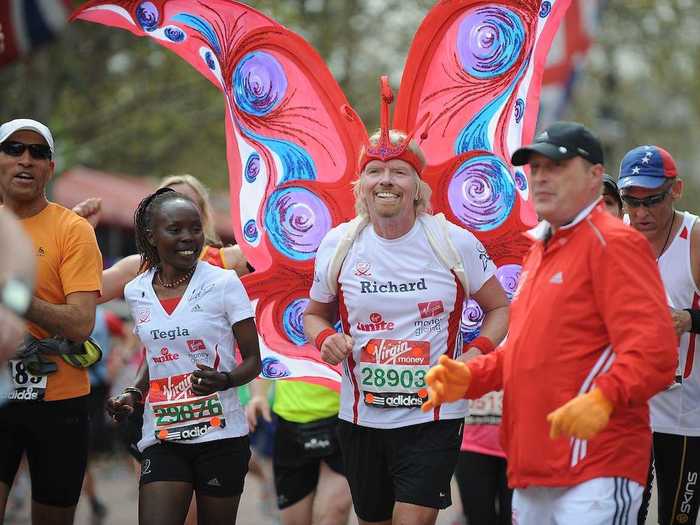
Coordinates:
[259,83]
[519,110]
[472,316]
[489,41]
[520,180]
[252,168]
[508,275]
[273,368]
[293,321]
[481,193]
[296,221]
[250,231]
[174,34]
[545,9]
[147,16]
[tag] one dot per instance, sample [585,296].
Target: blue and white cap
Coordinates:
[646,167]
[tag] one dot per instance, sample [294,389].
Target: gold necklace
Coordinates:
[176,283]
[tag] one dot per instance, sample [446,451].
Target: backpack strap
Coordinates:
[438,234]
[354,228]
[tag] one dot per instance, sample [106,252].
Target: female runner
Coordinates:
[189,315]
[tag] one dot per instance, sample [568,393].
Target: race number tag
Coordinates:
[486,410]
[393,373]
[179,414]
[25,386]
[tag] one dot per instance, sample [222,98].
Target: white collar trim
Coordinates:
[539,232]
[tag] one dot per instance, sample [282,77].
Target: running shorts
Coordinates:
[55,437]
[298,452]
[214,468]
[412,464]
[676,463]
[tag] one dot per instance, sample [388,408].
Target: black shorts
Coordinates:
[298,452]
[54,435]
[676,463]
[215,468]
[411,464]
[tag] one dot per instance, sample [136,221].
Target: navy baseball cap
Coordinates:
[646,167]
[610,187]
[561,141]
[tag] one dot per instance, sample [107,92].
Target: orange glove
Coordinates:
[447,381]
[582,417]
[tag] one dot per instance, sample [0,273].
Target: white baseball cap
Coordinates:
[20,124]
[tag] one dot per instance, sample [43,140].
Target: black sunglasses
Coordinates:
[647,202]
[17,149]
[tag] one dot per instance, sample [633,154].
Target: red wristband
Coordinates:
[322,336]
[483,343]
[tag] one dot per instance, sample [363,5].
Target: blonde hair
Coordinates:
[211,238]
[424,192]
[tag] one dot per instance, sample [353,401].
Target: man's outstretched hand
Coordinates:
[448,381]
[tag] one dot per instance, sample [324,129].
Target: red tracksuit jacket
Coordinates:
[590,310]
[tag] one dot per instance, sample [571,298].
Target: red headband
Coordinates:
[384,150]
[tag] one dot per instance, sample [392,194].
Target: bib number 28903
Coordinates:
[393,372]
[380,377]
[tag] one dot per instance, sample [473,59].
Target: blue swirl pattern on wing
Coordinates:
[203,27]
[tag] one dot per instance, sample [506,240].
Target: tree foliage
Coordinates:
[124,104]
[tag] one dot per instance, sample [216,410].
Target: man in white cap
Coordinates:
[649,187]
[46,416]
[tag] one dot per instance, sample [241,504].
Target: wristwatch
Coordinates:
[16,296]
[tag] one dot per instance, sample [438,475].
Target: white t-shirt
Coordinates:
[197,331]
[402,308]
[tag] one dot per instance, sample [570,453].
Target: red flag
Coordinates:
[28,24]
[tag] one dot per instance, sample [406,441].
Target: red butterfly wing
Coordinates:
[476,67]
[292,148]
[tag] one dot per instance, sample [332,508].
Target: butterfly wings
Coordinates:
[476,67]
[293,142]
[292,149]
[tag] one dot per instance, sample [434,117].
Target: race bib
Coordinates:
[179,414]
[25,386]
[486,410]
[393,373]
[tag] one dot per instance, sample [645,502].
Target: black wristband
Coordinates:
[137,392]
[694,320]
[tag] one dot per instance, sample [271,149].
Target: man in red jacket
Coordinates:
[590,341]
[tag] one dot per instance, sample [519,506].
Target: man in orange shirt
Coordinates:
[47,415]
[590,340]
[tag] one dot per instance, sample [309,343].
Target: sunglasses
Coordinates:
[17,149]
[647,202]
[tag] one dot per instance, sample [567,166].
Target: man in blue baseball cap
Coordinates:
[649,187]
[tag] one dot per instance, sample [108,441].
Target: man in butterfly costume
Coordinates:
[399,278]
[294,143]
